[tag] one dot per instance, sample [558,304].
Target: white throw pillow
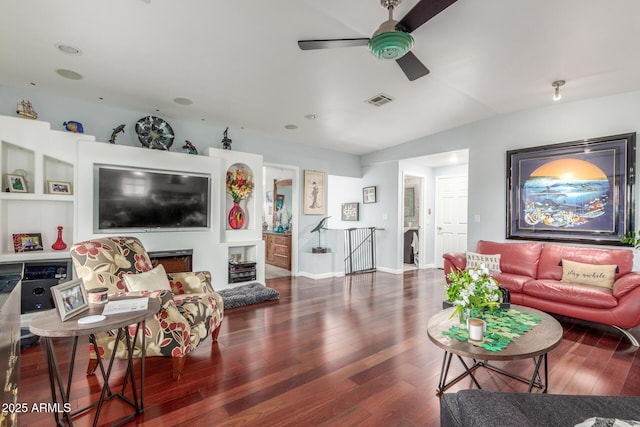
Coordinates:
[152,280]
[492,262]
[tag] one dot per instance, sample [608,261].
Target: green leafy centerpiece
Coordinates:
[472,291]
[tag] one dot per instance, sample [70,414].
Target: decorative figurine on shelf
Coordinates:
[75,127]
[189,147]
[321,226]
[59,245]
[226,142]
[25,110]
[115,133]
[239,185]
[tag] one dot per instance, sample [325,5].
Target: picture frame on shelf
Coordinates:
[579,191]
[59,187]
[16,183]
[70,298]
[27,242]
[369,194]
[314,193]
[350,211]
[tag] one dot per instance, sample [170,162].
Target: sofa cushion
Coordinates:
[491,261]
[152,280]
[513,282]
[551,256]
[515,258]
[570,293]
[589,274]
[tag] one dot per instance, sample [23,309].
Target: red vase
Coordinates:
[59,245]
[236,216]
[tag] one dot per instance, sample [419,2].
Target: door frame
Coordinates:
[295,208]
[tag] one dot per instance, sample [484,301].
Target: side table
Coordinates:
[48,325]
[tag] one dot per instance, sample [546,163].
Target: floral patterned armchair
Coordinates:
[188,313]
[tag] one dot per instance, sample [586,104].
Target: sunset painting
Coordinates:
[565,193]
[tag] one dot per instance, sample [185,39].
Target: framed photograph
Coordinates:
[59,187]
[369,195]
[350,211]
[578,191]
[315,193]
[27,242]
[16,183]
[70,298]
[279,201]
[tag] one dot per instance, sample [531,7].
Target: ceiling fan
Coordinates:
[392,40]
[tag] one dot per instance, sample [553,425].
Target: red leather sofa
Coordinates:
[532,272]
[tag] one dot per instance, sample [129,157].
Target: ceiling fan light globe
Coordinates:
[390,45]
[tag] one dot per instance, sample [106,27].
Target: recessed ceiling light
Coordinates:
[69,50]
[69,74]
[291,127]
[183,101]
[310,116]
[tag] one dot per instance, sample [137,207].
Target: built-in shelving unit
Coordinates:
[38,154]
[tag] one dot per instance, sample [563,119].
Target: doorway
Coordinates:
[279,217]
[411,221]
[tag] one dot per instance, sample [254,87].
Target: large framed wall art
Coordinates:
[579,191]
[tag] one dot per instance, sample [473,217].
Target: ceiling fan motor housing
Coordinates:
[387,43]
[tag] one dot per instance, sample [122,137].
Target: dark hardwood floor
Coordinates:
[333,352]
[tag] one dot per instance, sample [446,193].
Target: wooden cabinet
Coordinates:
[278,249]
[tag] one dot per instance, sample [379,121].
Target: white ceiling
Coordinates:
[240,64]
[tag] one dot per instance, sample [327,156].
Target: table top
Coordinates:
[48,324]
[543,338]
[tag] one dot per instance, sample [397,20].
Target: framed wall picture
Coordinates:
[58,187]
[573,191]
[369,194]
[16,183]
[315,193]
[27,242]
[409,202]
[350,211]
[70,298]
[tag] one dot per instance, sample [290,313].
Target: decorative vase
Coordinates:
[463,316]
[236,216]
[59,245]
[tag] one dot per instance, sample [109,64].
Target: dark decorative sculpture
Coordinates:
[115,132]
[321,226]
[189,147]
[226,142]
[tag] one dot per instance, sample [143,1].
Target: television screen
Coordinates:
[150,200]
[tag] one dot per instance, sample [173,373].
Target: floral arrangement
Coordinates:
[473,289]
[239,185]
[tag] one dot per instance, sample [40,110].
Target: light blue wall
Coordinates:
[99,120]
[488,141]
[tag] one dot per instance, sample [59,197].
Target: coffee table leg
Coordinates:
[535,377]
[444,372]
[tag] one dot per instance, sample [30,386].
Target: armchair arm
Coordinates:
[196,282]
[454,262]
[626,284]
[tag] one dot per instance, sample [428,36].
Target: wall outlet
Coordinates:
[476,218]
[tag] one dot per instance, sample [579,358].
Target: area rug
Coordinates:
[251,293]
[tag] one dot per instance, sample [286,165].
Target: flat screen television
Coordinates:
[149,200]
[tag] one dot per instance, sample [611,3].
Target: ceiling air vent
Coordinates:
[380,100]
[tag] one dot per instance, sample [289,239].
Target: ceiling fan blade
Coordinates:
[412,67]
[329,44]
[421,13]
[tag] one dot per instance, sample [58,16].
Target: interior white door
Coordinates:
[451,216]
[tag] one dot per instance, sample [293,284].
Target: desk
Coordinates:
[48,325]
[534,344]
